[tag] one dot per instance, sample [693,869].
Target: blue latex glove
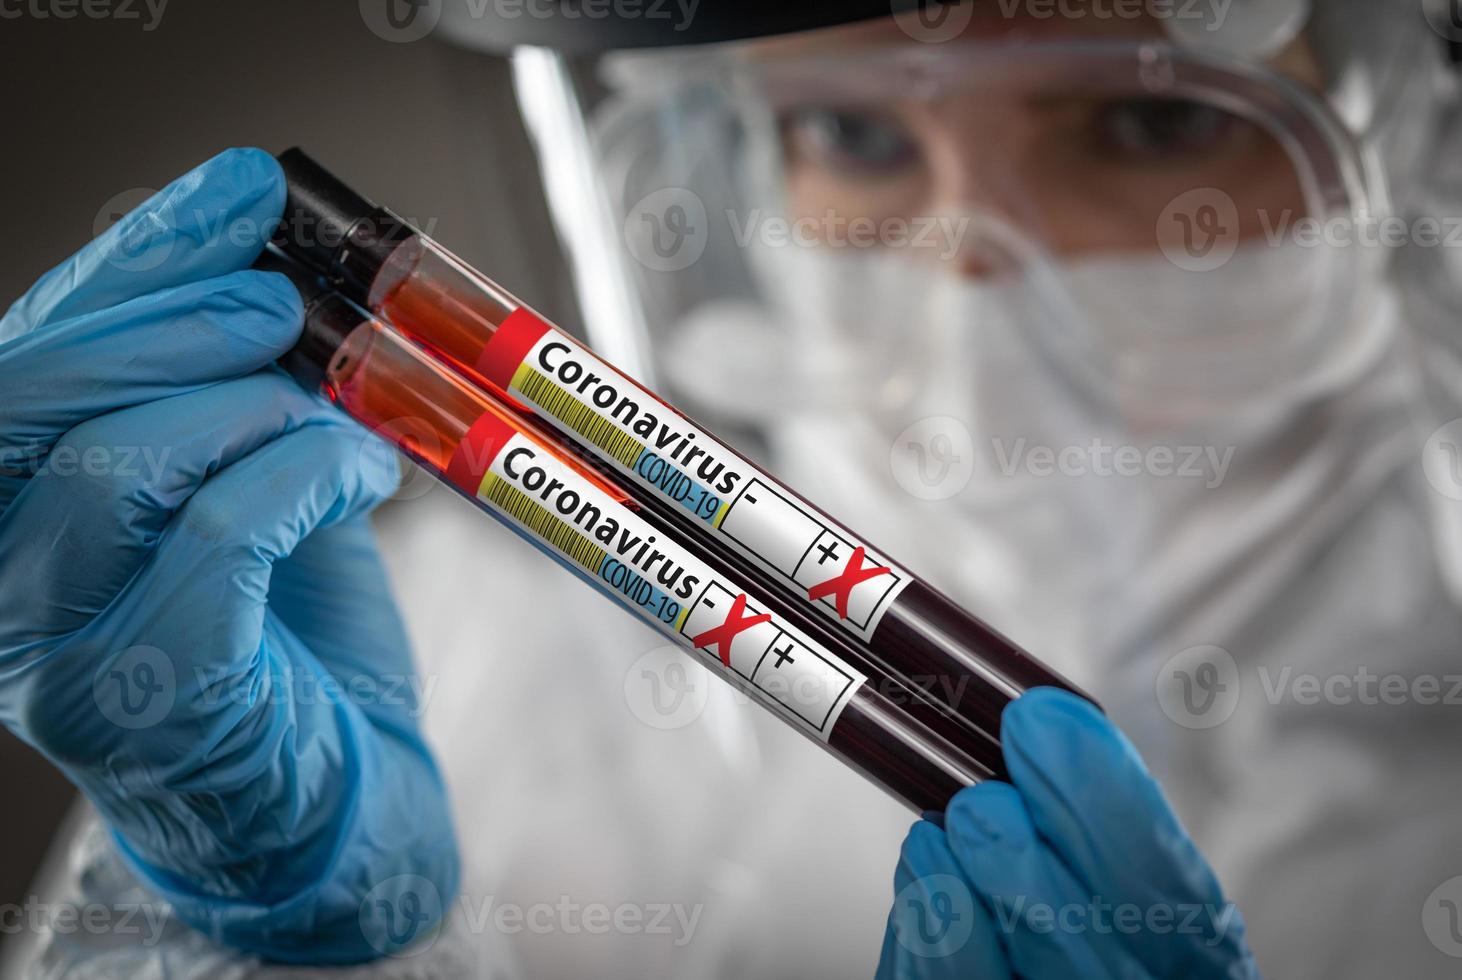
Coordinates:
[194,622]
[1077,868]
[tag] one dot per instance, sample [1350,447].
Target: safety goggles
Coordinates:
[1168,220]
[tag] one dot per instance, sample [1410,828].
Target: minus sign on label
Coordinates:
[750,499]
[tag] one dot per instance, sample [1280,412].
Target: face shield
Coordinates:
[983,284]
[1152,214]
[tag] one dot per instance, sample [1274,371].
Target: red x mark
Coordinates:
[726,632]
[842,585]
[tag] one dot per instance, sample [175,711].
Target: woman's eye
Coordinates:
[1158,128]
[848,141]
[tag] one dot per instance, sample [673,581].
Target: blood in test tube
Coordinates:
[774,537]
[468,439]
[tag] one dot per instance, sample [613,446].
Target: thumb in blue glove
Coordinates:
[1076,868]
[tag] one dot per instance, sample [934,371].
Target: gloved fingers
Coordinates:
[937,928]
[212,220]
[190,626]
[1091,797]
[332,591]
[1052,924]
[157,345]
[203,589]
[78,532]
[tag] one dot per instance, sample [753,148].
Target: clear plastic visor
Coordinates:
[1159,225]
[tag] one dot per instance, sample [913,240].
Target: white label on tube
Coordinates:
[582,524]
[662,451]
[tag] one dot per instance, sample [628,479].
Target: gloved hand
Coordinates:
[1077,868]
[194,622]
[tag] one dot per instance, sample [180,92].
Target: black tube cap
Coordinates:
[319,210]
[330,227]
[307,280]
[329,319]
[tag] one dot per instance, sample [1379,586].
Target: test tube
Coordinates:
[690,478]
[470,441]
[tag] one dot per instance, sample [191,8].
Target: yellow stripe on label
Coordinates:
[573,413]
[519,506]
[486,476]
[680,620]
[721,514]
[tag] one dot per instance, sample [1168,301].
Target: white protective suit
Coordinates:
[588,765]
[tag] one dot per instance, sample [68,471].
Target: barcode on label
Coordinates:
[526,512]
[576,415]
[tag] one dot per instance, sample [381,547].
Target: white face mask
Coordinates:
[1071,454]
[1142,334]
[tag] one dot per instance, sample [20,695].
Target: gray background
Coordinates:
[95,108]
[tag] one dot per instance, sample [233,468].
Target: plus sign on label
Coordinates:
[848,581]
[650,443]
[783,655]
[806,682]
[840,587]
[789,538]
[541,496]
